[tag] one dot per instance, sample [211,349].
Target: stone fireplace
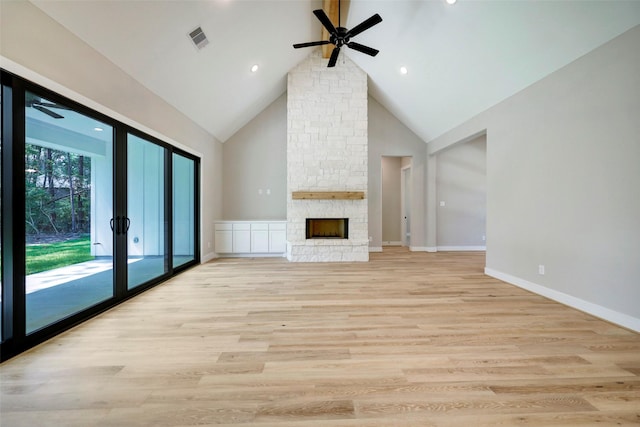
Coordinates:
[327,154]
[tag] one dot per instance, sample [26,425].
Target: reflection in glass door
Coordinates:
[68,204]
[145,223]
[183,210]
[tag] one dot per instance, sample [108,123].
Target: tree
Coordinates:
[57,191]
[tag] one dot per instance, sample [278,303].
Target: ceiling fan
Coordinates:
[39,104]
[340,36]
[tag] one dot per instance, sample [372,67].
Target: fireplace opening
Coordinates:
[327,228]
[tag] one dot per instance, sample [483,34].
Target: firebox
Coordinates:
[327,228]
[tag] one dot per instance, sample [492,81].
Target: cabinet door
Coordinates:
[278,241]
[241,238]
[277,238]
[224,241]
[259,241]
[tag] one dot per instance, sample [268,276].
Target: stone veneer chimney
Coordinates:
[327,151]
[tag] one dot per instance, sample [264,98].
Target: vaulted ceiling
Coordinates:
[461,59]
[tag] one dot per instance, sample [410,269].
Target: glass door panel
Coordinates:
[183,210]
[146,251]
[68,207]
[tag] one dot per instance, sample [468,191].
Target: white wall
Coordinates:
[39,49]
[563,175]
[461,174]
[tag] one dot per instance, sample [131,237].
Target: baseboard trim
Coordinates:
[461,248]
[253,255]
[392,243]
[375,248]
[596,310]
[208,257]
[419,249]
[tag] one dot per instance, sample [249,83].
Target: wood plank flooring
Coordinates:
[408,339]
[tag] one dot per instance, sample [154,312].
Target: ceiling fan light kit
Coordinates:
[340,36]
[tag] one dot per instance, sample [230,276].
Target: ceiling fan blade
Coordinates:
[362,48]
[364,25]
[334,57]
[299,45]
[53,105]
[325,20]
[48,112]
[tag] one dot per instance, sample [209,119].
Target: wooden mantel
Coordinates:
[328,195]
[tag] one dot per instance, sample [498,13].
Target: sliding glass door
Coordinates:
[93,212]
[184,209]
[68,203]
[2,89]
[146,226]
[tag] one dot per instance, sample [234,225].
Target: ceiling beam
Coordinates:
[330,7]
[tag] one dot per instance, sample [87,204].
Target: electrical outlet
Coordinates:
[442,203]
[541,269]
[484,238]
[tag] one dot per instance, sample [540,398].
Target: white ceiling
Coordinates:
[462,59]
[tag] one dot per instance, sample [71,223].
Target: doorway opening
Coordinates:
[396,200]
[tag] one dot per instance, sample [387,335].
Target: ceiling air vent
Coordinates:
[199,38]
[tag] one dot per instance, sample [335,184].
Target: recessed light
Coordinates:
[403,70]
[451,1]
[98,129]
[254,68]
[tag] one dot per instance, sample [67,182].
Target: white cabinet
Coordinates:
[251,237]
[241,238]
[260,237]
[278,237]
[224,238]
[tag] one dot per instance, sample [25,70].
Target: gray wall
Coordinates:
[391,207]
[461,174]
[41,50]
[255,160]
[389,137]
[563,172]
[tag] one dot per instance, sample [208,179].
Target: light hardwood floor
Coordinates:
[408,339]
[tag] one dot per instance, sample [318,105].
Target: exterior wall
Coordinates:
[327,151]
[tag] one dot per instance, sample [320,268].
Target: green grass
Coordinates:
[43,257]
